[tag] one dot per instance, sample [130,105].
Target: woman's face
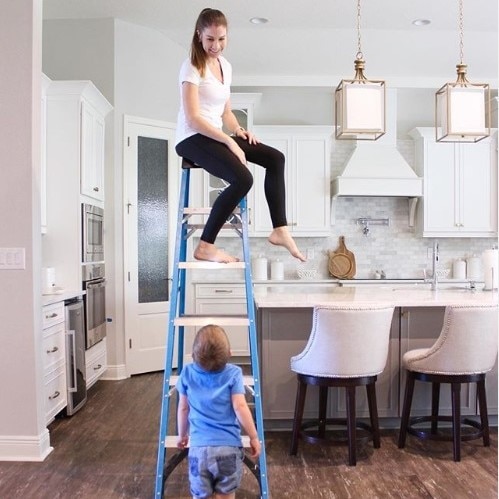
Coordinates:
[214,38]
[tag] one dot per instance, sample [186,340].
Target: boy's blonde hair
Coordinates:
[211,348]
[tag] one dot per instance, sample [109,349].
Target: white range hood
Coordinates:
[377,168]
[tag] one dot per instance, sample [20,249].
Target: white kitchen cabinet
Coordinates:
[221,299]
[75,162]
[54,360]
[92,151]
[460,186]
[95,362]
[307,150]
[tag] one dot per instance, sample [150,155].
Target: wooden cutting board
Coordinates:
[341,262]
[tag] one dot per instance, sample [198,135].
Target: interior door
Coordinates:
[151,190]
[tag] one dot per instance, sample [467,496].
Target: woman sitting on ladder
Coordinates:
[205,107]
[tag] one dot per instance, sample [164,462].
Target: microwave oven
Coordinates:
[93,233]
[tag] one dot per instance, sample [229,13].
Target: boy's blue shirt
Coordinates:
[212,419]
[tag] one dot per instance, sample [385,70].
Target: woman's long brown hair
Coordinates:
[207,18]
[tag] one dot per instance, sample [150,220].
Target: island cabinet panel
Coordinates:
[284,333]
[419,328]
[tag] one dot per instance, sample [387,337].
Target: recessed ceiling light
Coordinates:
[421,22]
[259,20]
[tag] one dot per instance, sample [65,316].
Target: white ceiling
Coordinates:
[315,42]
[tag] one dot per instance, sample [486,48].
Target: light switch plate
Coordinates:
[12,258]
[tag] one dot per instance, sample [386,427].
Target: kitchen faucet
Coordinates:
[435,256]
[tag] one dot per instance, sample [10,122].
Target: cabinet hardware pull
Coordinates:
[97,367]
[56,394]
[223,290]
[54,349]
[51,316]
[96,189]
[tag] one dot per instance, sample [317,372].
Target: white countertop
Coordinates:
[404,295]
[61,295]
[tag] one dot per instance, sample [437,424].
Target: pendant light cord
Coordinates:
[461,30]
[359,43]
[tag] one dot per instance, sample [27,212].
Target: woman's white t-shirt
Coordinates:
[213,95]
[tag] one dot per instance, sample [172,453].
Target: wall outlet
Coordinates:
[310,253]
[12,259]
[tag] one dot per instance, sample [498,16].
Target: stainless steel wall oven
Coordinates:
[94,283]
[93,233]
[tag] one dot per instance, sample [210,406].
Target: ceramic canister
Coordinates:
[474,268]
[277,270]
[259,269]
[459,269]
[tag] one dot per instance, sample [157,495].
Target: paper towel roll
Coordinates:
[259,269]
[474,268]
[459,269]
[277,270]
[490,261]
[48,278]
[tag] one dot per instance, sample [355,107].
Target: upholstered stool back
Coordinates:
[467,343]
[346,342]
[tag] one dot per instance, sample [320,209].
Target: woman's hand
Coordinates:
[232,145]
[246,135]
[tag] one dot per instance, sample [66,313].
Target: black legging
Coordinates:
[218,160]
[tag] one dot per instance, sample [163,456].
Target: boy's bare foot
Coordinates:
[210,253]
[280,236]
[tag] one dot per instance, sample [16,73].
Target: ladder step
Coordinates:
[171,442]
[204,211]
[211,265]
[224,226]
[203,320]
[247,380]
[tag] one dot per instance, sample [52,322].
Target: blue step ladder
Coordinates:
[178,320]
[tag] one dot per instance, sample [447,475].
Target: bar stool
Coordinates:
[463,353]
[347,347]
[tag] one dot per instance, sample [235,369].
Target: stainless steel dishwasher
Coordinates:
[75,356]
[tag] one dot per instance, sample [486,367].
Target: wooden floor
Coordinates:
[108,450]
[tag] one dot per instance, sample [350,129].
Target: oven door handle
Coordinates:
[94,285]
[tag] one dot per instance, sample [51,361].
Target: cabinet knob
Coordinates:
[56,394]
[96,189]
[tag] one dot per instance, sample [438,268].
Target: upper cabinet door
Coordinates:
[92,152]
[460,186]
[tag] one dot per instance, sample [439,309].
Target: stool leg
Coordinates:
[351,428]
[322,410]
[301,391]
[435,401]
[404,420]
[484,417]
[373,414]
[456,420]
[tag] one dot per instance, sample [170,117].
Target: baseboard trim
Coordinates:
[115,373]
[24,448]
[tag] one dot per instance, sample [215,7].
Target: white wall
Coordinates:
[81,49]
[22,420]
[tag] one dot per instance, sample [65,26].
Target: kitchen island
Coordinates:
[284,322]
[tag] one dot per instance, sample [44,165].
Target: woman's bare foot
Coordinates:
[280,236]
[210,253]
